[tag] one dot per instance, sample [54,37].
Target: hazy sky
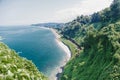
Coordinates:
[16,12]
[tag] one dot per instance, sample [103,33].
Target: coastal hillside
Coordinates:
[98,35]
[13,67]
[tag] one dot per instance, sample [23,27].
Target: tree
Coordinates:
[95,17]
[115,8]
[83,19]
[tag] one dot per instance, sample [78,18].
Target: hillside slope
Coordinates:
[13,67]
[100,59]
[99,35]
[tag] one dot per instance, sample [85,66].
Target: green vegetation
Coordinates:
[13,67]
[73,48]
[78,28]
[99,34]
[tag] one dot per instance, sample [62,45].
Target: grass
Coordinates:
[73,48]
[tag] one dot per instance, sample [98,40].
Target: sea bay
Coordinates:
[36,44]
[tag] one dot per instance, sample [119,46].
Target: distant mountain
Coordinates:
[54,25]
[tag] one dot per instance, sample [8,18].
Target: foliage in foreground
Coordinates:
[13,67]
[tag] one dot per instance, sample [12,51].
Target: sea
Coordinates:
[36,44]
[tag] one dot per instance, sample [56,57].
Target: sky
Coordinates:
[19,12]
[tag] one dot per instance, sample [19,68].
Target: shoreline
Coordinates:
[59,69]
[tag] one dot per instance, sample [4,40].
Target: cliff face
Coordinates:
[14,67]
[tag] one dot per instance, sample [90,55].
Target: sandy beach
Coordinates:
[61,44]
[63,62]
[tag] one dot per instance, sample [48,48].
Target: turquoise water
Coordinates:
[35,44]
